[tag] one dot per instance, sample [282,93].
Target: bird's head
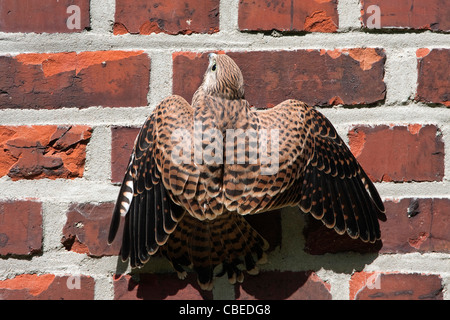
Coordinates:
[223,78]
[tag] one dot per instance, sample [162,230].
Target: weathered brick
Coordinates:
[395,286]
[317,77]
[159,287]
[122,144]
[288,15]
[416,225]
[44,16]
[36,152]
[399,153]
[87,227]
[434,76]
[172,17]
[287,285]
[47,287]
[411,14]
[70,79]
[321,240]
[20,228]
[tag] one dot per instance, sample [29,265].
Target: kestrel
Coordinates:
[196,171]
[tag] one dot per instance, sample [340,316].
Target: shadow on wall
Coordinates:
[159,287]
[299,246]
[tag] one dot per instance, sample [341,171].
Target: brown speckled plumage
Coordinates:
[193,209]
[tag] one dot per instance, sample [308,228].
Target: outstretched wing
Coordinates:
[315,170]
[159,174]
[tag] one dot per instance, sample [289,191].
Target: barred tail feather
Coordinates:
[227,241]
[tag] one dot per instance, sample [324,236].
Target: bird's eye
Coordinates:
[214,67]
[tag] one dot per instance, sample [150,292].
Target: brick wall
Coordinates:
[79,77]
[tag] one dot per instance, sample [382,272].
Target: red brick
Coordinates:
[395,286]
[122,144]
[41,16]
[36,152]
[159,287]
[288,15]
[47,287]
[321,240]
[86,230]
[416,225]
[172,17]
[20,228]
[413,14]
[317,77]
[287,285]
[399,153]
[70,79]
[434,76]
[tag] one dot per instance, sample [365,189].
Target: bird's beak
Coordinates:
[212,55]
[212,58]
